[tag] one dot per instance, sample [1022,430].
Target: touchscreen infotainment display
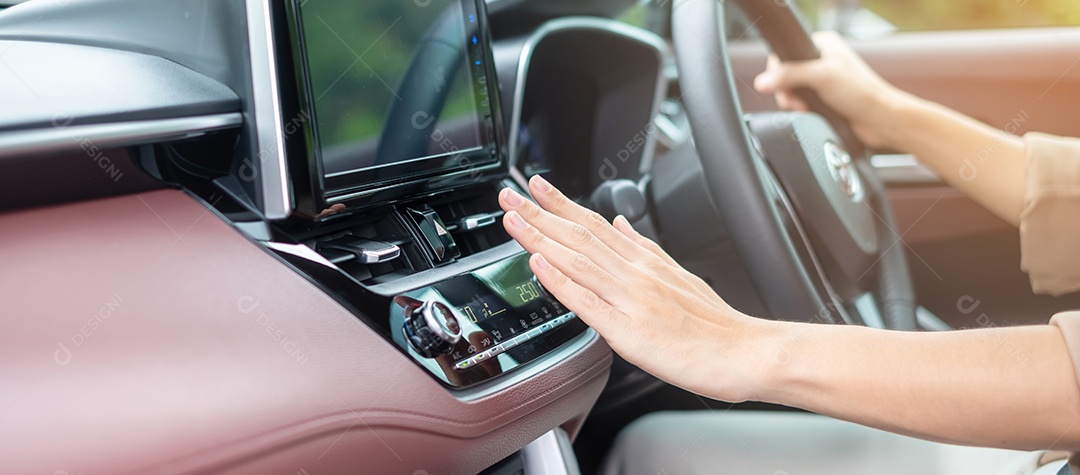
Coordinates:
[397,88]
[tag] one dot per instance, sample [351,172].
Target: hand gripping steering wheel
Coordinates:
[805,210]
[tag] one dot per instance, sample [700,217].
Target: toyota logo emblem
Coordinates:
[843,171]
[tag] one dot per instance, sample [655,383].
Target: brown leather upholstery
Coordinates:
[131,342]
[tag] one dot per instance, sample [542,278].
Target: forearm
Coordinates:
[1003,387]
[987,164]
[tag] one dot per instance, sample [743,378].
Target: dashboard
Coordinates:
[601,128]
[280,243]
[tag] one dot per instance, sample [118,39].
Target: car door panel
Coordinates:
[1021,79]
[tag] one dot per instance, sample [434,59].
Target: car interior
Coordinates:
[263,236]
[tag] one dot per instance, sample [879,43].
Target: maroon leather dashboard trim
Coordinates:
[143,334]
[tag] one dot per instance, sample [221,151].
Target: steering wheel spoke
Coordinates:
[812,227]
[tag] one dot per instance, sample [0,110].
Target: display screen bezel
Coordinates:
[314,192]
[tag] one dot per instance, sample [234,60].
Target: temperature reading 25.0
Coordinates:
[528,292]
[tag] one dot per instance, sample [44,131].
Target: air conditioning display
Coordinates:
[478,325]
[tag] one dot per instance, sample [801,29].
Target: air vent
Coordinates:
[475,222]
[377,248]
[402,240]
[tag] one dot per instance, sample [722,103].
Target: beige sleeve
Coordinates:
[1069,324]
[1050,221]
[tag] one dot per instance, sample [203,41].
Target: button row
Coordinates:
[508,344]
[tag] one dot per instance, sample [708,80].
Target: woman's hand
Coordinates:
[651,311]
[1001,387]
[844,82]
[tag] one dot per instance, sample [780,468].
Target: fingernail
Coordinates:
[516,221]
[541,184]
[512,198]
[620,221]
[541,262]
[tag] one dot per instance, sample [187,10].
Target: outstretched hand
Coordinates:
[651,311]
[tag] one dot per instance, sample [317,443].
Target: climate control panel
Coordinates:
[478,325]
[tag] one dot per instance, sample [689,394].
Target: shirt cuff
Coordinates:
[1050,220]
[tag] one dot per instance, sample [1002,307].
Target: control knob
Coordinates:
[432,329]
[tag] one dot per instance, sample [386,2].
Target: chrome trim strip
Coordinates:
[930,322]
[867,307]
[551,454]
[835,300]
[902,169]
[504,345]
[461,266]
[671,135]
[302,251]
[411,160]
[386,253]
[598,24]
[530,369]
[447,176]
[478,221]
[75,137]
[269,132]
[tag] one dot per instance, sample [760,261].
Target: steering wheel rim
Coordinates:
[743,188]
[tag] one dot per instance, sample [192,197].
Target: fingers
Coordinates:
[624,227]
[701,286]
[828,40]
[578,266]
[765,82]
[573,235]
[599,314]
[789,75]
[554,202]
[789,101]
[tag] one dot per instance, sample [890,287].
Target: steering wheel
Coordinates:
[803,207]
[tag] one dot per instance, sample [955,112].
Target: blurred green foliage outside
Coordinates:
[910,15]
[916,15]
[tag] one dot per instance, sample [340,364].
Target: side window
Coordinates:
[877,17]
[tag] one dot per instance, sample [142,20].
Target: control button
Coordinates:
[535,332]
[431,329]
[478,221]
[480,357]
[440,244]
[366,250]
[506,345]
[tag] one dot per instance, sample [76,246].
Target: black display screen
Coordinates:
[397,88]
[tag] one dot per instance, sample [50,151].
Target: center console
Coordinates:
[395,149]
